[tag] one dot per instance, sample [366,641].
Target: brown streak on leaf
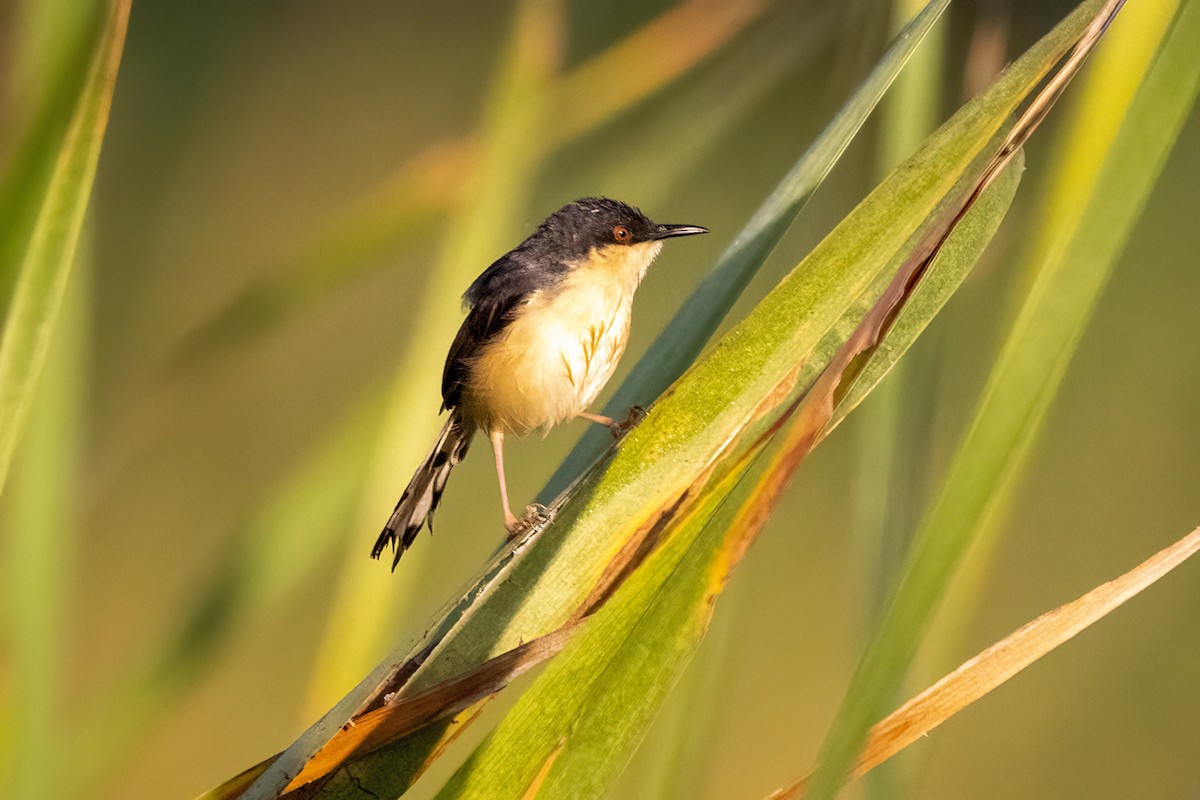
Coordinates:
[544,772]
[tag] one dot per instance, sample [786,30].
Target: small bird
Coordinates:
[546,325]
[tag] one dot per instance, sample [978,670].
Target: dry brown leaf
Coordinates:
[995,665]
[390,722]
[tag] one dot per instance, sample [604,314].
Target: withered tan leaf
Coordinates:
[995,665]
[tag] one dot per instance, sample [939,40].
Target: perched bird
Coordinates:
[546,325]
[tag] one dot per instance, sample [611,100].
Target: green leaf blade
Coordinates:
[50,247]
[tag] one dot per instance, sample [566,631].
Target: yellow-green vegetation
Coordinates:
[217,374]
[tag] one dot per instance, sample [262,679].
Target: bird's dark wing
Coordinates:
[492,298]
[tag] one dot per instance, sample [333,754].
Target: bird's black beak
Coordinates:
[667,231]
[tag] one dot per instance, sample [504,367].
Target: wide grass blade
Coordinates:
[1029,370]
[577,726]
[994,666]
[49,250]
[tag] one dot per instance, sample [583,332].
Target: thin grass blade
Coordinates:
[49,251]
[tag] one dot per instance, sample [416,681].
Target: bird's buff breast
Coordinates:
[553,360]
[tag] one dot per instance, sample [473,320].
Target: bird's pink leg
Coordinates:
[497,437]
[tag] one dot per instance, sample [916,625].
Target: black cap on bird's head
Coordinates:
[598,222]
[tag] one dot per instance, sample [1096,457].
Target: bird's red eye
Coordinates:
[622,234]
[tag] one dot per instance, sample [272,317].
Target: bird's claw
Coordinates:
[535,514]
[619,429]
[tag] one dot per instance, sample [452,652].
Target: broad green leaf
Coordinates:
[1023,382]
[710,415]
[48,251]
[592,705]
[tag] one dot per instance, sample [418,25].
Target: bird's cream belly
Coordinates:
[552,361]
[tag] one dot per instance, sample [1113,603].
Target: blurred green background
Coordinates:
[241,132]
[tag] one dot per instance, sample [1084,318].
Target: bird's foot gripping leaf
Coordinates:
[636,415]
[536,516]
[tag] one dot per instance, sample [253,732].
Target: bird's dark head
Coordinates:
[599,236]
[600,223]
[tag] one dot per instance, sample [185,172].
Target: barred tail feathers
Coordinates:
[420,499]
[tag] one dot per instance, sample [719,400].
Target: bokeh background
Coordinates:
[269,220]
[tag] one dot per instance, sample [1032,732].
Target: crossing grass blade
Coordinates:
[1022,384]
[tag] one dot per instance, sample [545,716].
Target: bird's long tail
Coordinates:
[420,499]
